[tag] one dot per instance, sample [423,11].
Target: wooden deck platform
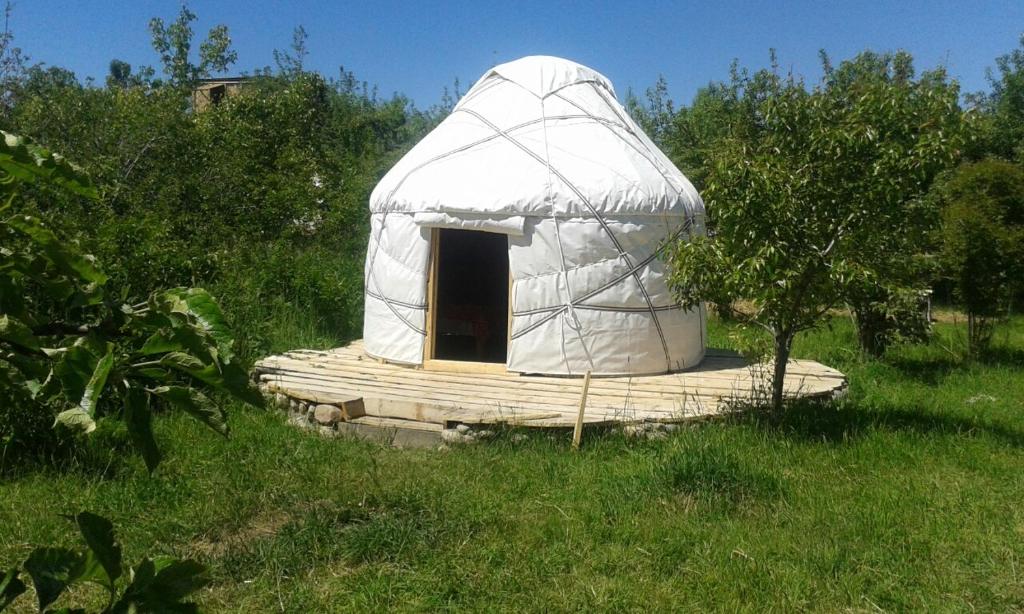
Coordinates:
[394,395]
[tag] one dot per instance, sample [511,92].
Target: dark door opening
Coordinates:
[471,304]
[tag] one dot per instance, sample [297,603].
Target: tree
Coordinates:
[918,130]
[983,241]
[68,346]
[1004,106]
[803,196]
[12,60]
[292,63]
[174,43]
[120,75]
[656,113]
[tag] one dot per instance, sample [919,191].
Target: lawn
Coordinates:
[904,495]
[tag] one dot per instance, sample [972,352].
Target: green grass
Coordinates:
[905,495]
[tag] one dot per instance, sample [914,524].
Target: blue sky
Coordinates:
[419,47]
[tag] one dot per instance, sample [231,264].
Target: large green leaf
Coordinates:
[52,570]
[229,378]
[197,404]
[66,259]
[31,367]
[24,160]
[190,365]
[11,587]
[201,308]
[160,586]
[98,533]
[76,365]
[82,377]
[182,338]
[76,419]
[138,419]
[17,332]
[96,383]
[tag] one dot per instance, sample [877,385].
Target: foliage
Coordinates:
[68,345]
[1003,107]
[887,315]
[154,585]
[260,199]
[813,193]
[173,43]
[983,241]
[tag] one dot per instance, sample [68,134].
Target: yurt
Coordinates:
[525,234]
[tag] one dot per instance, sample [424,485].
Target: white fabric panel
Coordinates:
[510,225]
[386,336]
[397,266]
[522,142]
[607,343]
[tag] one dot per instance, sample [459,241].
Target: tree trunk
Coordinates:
[871,329]
[783,344]
[972,334]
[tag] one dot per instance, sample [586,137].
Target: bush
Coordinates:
[261,198]
[983,241]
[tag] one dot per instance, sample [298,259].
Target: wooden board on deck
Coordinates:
[401,392]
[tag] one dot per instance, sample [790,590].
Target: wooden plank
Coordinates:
[738,382]
[577,432]
[369,389]
[796,367]
[500,393]
[525,393]
[398,423]
[441,412]
[464,366]
[431,315]
[502,389]
[715,360]
[467,407]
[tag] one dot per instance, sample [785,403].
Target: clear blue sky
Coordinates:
[419,47]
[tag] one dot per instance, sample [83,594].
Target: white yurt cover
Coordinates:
[540,150]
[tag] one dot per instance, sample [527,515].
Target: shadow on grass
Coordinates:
[105,455]
[932,369]
[841,421]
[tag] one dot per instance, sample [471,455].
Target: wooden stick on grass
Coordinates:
[577,433]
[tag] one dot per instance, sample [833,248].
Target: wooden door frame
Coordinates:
[464,366]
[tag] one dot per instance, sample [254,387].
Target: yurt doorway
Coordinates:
[469,302]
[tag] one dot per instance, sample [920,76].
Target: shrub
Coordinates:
[983,241]
[70,345]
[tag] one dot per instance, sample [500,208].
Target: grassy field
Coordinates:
[905,495]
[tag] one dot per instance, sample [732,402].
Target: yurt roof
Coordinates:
[539,136]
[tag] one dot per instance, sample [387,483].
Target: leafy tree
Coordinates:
[12,60]
[174,44]
[120,73]
[983,241]
[803,197]
[67,344]
[1004,106]
[154,585]
[918,130]
[655,115]
[292,63]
